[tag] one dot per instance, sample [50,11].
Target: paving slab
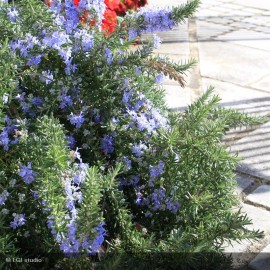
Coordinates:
[260,196]
[239,24]
[187,79]
[259,4]
[235,134]
[260,218]
[162,3]
[245,99]
[178,34]
[254,149]
[208,30]
[233,63]
[253,10]
[263,83]
[243,183]
[175,57]
[263,29]
[237,247]
[262,260]
[176,97]
[258,20]
[231,5]
[245,251]
[224,20]
[247,37]
[239,14]
[181,47]
[239,253]
[206,12]
[221,9]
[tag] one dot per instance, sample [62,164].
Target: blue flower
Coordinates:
[66,247]
[127,163]
[127,95]
[143,123]
[138,71]
[50,223]
[27,174]
[159,78]
[4,140]
[71,141]
[155,171]
[12,14]
[19,220]
[97,118]
[157,41]
[46,77]
[85,243]
[86,40]
[76,120]
[153,20]
[107,144]
[3,197]
[108,56]
[56,39]
[37,101]
[101,232]
[138,148]
[66,101]
[139,198]
[135,180]
[34,60]
[133,33]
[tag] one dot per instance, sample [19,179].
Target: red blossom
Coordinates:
[114,8]
[109,21]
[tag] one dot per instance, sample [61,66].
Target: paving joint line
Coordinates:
[243,86]
[260,206]
[256,178]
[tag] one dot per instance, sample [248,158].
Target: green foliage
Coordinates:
[185,11]
[100,172]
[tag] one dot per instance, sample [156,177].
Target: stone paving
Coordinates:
[230,39]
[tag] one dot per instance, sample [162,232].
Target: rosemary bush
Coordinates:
[96,171]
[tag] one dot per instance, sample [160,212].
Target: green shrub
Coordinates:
[92,160]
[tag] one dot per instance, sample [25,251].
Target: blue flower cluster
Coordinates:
[127,163]
[27,174]
[94,8]
[72,242]
[7,133]
[67,40]
[137,149]
[76,120]
[3,197]
[108,56]
[153,20]
[73,246]
[156,200]
[133,180]
[30,105]
[141,111]
[19,220]
[67,14]
[155,171]
[12,14]
[107,144]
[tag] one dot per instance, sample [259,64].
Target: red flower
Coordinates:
[48,2]
[114,8]
[109,22]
